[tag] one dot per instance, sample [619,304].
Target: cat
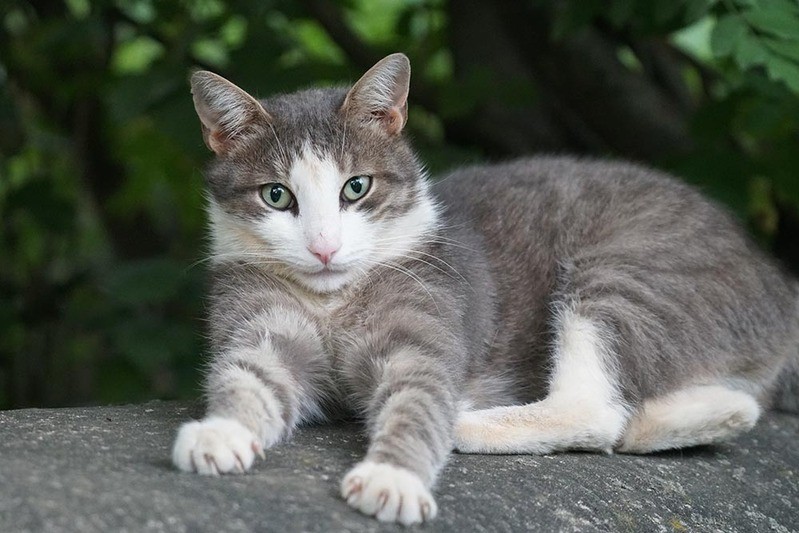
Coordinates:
[536,306]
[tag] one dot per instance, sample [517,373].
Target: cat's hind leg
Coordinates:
[583,410]
[689,417]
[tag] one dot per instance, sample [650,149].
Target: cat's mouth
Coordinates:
[325,279]
[315,270]
[328,272]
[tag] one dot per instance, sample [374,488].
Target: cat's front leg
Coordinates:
[254,397]
[410,413]
[250,404]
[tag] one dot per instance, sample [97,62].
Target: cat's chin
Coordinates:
[325,281]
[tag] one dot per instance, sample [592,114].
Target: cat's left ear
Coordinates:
[380,97]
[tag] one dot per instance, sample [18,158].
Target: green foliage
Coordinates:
[761,36]
[101,201]
[754,47]
[746,120]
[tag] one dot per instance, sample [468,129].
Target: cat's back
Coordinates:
[566,206]
[565,201]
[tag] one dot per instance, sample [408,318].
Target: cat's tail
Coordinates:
[786,394]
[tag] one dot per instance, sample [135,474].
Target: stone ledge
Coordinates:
[107,469]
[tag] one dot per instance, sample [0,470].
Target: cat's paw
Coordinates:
[215,446]
[389,493]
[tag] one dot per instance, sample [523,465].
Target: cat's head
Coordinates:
[318,186]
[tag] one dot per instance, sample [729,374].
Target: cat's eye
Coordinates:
[277,196]
[356,188]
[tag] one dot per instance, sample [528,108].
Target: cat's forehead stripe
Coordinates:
[314,169]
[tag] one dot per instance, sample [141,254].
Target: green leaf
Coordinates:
[79,8]
[727,32]
[787,49]
[774,21]
[781,69]
[210,51]
[695,39]
[786,6]
[234,31]
[143,12]
[749,53]
[206,9]
[136,56]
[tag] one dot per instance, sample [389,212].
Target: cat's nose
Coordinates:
[323,251]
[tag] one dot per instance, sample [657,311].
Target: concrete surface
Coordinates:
[107,469]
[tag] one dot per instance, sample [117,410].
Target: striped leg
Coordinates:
[254,399]
[410,414]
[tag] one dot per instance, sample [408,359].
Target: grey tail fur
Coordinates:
[786,397]
[786,393]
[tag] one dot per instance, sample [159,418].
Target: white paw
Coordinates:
[215,446]
[389,493]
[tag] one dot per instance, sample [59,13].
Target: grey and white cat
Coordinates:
[542,305]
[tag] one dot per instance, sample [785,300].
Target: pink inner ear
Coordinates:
[391,118]
[217,142]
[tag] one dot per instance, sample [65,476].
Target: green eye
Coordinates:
[277,196]
[356,188]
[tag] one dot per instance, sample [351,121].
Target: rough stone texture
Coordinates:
[107,469]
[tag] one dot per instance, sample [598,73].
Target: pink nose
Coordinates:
[323,251]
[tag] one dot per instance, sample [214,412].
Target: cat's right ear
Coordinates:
[227,113]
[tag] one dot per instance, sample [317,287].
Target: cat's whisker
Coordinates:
[399,268]
[433,237]
[221,257]
[406,255]
[197,263]
[243,259]
[444,242]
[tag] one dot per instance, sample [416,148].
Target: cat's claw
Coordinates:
[389,493]
[258,450]
[215,446]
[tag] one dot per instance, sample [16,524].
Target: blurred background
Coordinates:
[101,192]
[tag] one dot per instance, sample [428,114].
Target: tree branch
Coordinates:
[664,67]
[492,123]
[624,108]
[587,101]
